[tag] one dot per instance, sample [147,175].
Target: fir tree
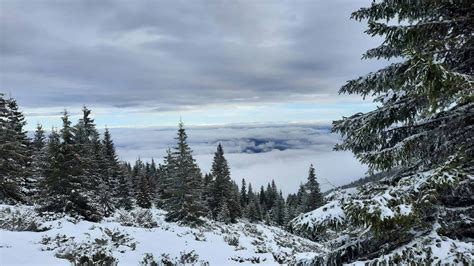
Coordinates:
[38,163]
[143,196]
[113,175]
[14,156]
[185,203]
[221,185]
[253,210]
[301,199]
[167,182]
[422,125]
[279,211]
[207,183]
[63,186]
[224,214]
[314,198]
[234,203]
[244,200]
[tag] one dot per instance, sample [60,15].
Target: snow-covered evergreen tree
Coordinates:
[278,211]
[253,209]
[244,200]
[185,203]
[64,190]
[422,127]
[314,198]
[224,214]
[221,186]
[143,195]
[167,181]
[38,164]
[15,156]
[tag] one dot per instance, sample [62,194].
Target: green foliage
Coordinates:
[184,176]
[15,156]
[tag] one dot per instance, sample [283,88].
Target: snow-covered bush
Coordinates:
[92,250]
[185,258]
[148,260]
[318,224]
[21,219]
[252,259]
[137,217]
[232,240]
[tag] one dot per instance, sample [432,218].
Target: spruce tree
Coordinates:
[253,210]
[143,195]
[115,178]
[314,198]
[422,126]
[167,182]
[185,203]
[64,188]
[14,156]
[93,180]
[243,194]
[221,185]
[279,211]
[207,183]
[224,214]
[38,163]
[301,199]
[124,195]
[233,203]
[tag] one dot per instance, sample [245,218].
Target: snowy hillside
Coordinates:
[142,236]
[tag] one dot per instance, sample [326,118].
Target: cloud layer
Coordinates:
[178,55]
[258,153]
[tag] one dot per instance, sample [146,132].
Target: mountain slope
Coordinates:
[142,236]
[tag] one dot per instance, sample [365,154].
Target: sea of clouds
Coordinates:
[258,153]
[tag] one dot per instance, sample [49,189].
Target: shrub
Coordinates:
[137,218]
[19,219]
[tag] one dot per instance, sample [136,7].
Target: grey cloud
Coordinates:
[171,55]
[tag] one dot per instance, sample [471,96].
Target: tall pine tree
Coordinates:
[314,198]
[185,203]
[14,156]
[422,126]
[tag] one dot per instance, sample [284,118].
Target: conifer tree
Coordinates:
[38,163]
[115,178]
[143,195]
[167,182]
[224,214]
[14,156]
[422,126]
[234,203]
[185,203]
[63,185]
[301,199]
[279,210]
[243,195]
[207,183]
[253,210]
[221,186]
[93,180]
[314,198]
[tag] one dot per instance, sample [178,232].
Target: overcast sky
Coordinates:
[139,63]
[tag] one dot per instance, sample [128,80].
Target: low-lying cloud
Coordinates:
[258,153]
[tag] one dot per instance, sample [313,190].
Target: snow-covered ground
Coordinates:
[148,236]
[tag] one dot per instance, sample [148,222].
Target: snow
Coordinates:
[442,250]
[210,242]
[331,211]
